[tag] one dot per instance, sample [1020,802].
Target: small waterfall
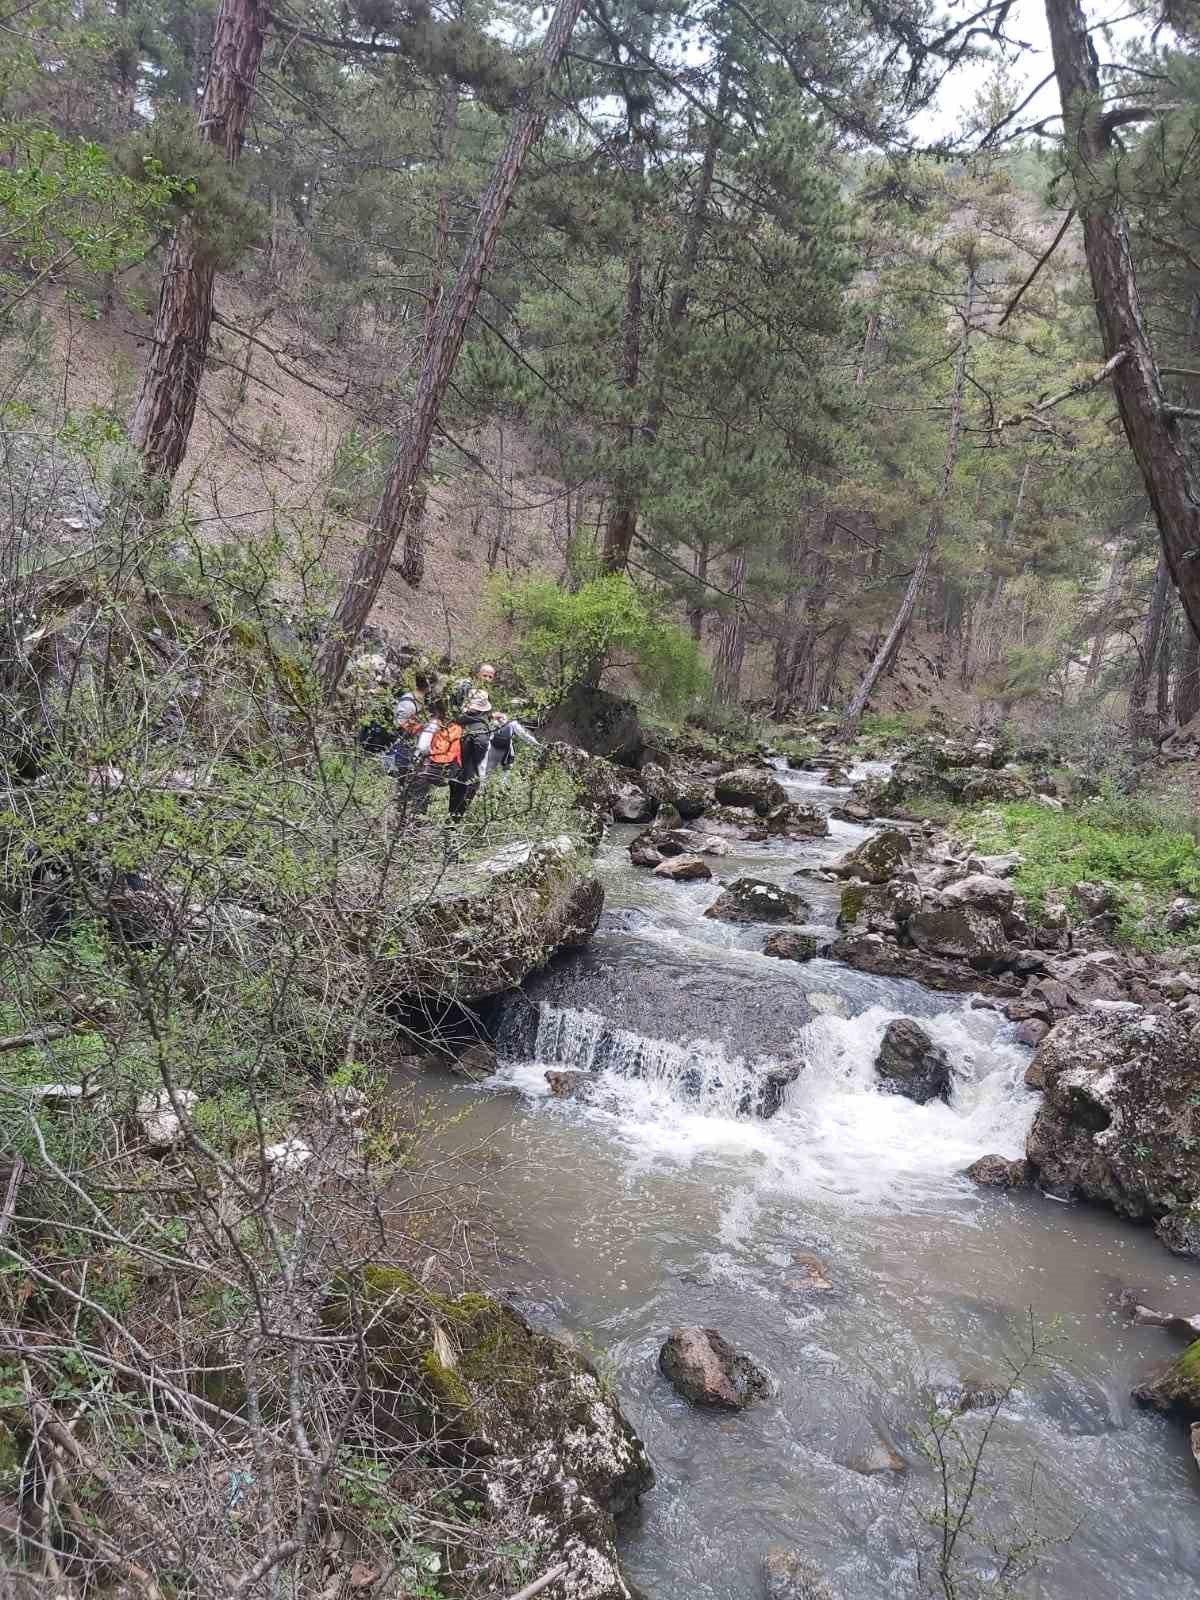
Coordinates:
[698,1073]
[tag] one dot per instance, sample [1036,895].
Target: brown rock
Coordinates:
[683,869]
[707,1370]
[997,1172]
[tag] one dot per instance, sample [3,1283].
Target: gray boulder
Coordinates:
[794,821]
[961,933]
[683,869]
[753,900]
[1094,899]
[1118,1123]
[689,798]
[984,892]
[1180,1232]
[909,1063]
[996,786]
[748,786]
[997,1172]
[852,810]
[869,952]
[1182,914]
[878,858]
[631,804]
[708,1371]
[878,907]
[790,945]
[644,854]
[786,1577]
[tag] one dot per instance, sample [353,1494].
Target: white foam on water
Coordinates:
[838,1136]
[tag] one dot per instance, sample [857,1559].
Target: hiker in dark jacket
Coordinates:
[476,716]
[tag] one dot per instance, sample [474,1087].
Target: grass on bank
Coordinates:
[1148,852]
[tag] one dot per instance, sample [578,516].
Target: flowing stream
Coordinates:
[662,1201]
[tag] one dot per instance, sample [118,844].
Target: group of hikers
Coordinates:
[448,737]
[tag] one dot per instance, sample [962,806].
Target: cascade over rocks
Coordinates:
[749,787]
[1119,1123]
[909,1063]
[705,1369]
[755,900]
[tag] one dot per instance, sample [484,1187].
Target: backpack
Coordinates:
[445,748]
[409,727]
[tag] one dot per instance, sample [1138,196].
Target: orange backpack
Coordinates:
[445,748]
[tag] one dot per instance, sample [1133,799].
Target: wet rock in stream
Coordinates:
[998,1172]
[755,900]
[789,945]
[787,1577]
[909,1063]
[705,1369]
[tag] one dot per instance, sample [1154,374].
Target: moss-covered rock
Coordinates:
[749,786]
[1175,1388]
[555,1459]
[502,919]
[878,858]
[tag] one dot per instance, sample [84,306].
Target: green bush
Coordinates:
[1147,852]
[571,638]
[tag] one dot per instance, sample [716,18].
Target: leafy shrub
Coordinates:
[572,638]
[1146,851]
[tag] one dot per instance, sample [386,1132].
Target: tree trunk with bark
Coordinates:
[622,525]
[166,407]
[375,557]
[445,122]
[1142,718]
[1172,484]
[731,649]
[887,652]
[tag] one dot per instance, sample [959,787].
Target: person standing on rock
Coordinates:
[476,716]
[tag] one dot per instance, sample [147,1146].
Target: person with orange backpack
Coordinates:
[408,723]
[439,764]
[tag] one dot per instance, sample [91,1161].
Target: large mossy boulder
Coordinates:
[1120,1120]
[689,797]
[1175,1388]
[551,1457]
[751,787]
[878,858]
[492,923]
[603,724]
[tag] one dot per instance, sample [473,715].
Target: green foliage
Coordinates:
[65,203]
[1149,854]
[568,638]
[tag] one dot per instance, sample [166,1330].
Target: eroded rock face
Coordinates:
[755,900]
[909,1063]
[466,945]
[705,1369]
[557,1460]
[787,1577]
[749,787]
[1118,1124]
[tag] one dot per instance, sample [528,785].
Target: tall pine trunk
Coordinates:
[731,648]
[1172,483]
[166,407]
[622,525]
[375,557]
[887,652]
[445,122]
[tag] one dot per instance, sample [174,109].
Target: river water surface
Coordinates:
[662,1203]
